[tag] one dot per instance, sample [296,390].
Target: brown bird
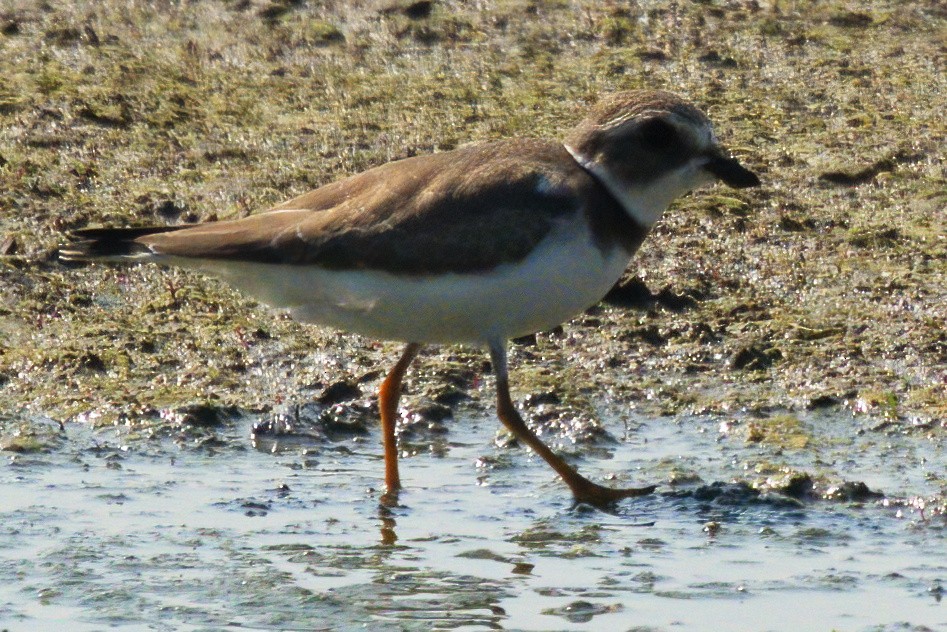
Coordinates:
[478,245]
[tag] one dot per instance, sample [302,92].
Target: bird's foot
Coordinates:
[585,491]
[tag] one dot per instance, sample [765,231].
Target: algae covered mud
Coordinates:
[776,360]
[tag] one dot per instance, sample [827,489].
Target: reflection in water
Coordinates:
[97,534]
[387,518]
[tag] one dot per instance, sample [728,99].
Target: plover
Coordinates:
[478,245]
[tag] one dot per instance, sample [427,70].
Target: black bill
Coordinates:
[731,172]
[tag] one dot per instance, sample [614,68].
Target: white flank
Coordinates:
[566,274]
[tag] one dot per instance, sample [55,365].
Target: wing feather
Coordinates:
[468,209]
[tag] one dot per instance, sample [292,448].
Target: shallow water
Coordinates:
[112,533]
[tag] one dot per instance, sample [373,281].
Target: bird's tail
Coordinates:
[89,244]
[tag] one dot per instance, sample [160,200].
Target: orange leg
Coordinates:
[388,396]
[584,490]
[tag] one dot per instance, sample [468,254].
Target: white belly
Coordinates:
[561,278]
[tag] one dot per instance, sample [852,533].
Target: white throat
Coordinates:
[645,204]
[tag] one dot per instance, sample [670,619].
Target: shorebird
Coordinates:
[478,245]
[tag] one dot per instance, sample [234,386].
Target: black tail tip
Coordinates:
[90,244]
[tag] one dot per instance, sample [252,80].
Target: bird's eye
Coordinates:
[657,134]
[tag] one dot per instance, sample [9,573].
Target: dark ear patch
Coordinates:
[657,134]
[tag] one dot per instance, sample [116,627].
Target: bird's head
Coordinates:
[650,147]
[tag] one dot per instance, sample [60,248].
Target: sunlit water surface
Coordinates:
[149,536]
